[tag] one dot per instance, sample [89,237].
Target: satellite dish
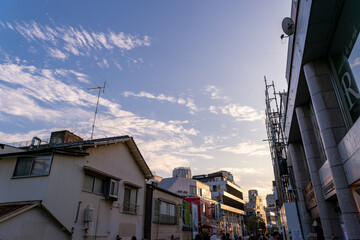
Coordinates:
[288,26]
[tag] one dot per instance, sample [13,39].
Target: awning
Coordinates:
[206,225]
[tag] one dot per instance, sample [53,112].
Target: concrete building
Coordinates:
[73,189]
[271,211]
[204,210]
[255,206]
[184,172]
[230,196]
[322,125]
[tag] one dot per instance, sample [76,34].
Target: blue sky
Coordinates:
[184,78]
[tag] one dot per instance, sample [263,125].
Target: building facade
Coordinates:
[230,196]
[322,125]
[163,215]
[76,189]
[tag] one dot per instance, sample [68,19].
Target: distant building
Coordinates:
[225,191]
[204,211]
[184,172]
[271,211]
[255,206]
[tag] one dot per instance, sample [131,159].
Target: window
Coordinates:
[167,213]
[193,190]
[94,184]
[33,166]
[130,199]
[99,184]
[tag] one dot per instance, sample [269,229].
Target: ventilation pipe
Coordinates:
[33,142]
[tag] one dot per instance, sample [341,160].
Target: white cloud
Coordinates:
[75,40]
[356,62]
[239,112]
[56,53]
[103,63]
[248,148]
[189,103]
[215,93]
[38,96]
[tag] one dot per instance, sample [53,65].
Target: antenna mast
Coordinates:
[97,105]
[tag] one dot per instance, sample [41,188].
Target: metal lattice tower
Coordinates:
[275,132]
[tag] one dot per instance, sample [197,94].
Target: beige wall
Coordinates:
[32,224]
[108,217]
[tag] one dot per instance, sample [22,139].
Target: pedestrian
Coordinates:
[235,236]
[228,236]
[133,238]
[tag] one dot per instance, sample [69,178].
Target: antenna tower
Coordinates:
[97,105]
[275,132]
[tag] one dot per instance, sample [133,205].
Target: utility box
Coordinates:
[88,214]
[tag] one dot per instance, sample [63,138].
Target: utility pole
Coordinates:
[97,105]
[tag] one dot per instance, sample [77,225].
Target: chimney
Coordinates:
[64,137]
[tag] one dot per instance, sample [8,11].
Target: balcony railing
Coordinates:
[129,207]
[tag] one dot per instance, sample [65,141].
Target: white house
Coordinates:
[73,189]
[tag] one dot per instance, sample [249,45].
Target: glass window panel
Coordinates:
[127,195]
[133,196]
[172,210]
[41,165]
[114,186]
[98,185]
[163,208]
[23,166]
[88,182]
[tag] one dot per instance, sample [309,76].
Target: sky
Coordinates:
[184,78]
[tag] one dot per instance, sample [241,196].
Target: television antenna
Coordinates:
[97,105]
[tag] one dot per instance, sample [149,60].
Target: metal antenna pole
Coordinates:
[96,109]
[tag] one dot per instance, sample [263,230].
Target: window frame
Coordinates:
[128,209]
[34,159]
[167,218]
[107,183]
[94,176]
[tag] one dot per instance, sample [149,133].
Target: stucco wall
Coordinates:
[30,225]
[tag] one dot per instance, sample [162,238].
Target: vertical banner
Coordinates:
[187,215]
[195,219]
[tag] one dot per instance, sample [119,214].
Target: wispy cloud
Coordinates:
[188,102]
[248,148]
[356,62]
[215,92]
[56,53]
[75,40]
[239,112]
[39,94]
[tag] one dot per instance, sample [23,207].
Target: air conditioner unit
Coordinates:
[111,190]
